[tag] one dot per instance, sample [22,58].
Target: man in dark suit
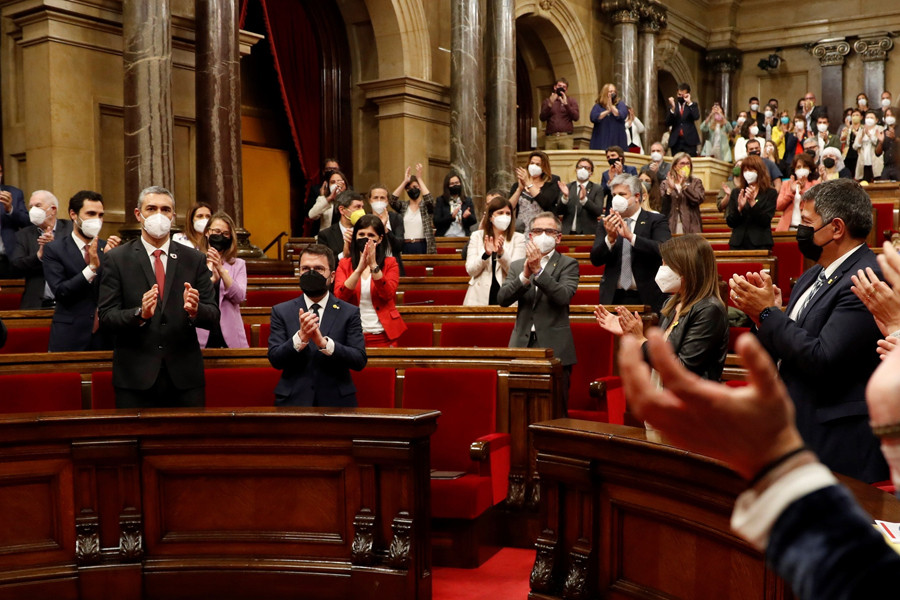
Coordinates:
[31,241]
[630,238]
[316,339]
[13,216]
[154,293]
[543,284]
[337,236]
[616,158]
[683,136]
[581,203]
[72,264]
[826,340]
[811,112]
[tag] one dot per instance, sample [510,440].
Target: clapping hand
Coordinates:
[608,320]
[631,323]
[532,260]
[93,256]
[191,300]
[214,263]
[149,301]
[309,328]
[522,176]
[5,201]
[613,224]
[489,247]
[882,301]
[111,242]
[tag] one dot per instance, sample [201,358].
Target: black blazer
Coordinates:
[827,357]
[170,337]
[751,228]
[651,230]
[26,264]
[586,223]
[76,297]
[333,238]
[683,121]
[443,218]
[700,338]
[15,220]
[395,238]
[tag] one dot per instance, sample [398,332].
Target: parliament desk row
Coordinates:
[237,503]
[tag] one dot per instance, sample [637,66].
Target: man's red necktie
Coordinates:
[160,272]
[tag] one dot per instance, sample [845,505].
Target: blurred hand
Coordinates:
[608,320]
[882,301]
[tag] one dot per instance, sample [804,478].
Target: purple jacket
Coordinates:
[230,307]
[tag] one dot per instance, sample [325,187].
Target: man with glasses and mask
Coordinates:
[825,340]
[316,339]
[543,284]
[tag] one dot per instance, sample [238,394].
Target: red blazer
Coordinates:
[384,291]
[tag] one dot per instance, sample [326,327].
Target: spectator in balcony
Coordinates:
[755,149]
[865,145]
[716,129]
[634,129]
[229,278]
[320,187]
[559,112]
[615,156]
[751,207]
[657,166]
[681,119]
[682,194]
[491,250]
[791,193]
[325,209]
[848,138]
[608,116]
[536,190]
[195,226]
[887,146]
[454,211]
[749,131]
[28,253]
[416,212]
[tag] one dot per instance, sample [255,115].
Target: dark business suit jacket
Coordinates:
[15,220]
[26,264]
[700,338]
[395,237]
[3,333]
[827,357]
[586,223]
[543,304]
[681,124]
[443,216]
[333,238]
[751,228]
[76,297]
[170,338]
[309,377]
[651,230]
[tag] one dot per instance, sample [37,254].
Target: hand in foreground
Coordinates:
[747,427]
[883,391]
[608,320]
[191,300]
[879,298]
[886,346]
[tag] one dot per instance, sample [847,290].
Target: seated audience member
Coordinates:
[650,199]
[229,277]
[792,191]
[325,210]
[832,166]
[316,339]
[615,156]
[542,320]
[536,190]
[72,265]
[694,319]
[581,202]
[454,212]
[865,145]
[338,237]
[195,227]
[28,255]
[754,149]
[733,181]
[13,216]
[887,147]
[812,531]
[416,212]
[369,279]
[682,194]
[392,221]
[627,242]
[491,250]
[657,165]
[751,208]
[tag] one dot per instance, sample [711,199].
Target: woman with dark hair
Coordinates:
[536,190]
[195,226]
[751,207]
[416,212]
[803,171]
[694,319]
[681,195]
[324,209]
[454,212]
[887,146]
[369,279]
[491,250]
[219,243]
[865,145]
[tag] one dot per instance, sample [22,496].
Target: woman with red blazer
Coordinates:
[369,279]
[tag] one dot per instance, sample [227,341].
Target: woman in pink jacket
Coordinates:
[230,273]
[793,189]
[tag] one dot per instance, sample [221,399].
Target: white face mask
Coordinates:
[885,103]
[890,120]
[582,174]
[750,176]
[768,114]
[37,215]
[501,222]
[200,225]
[332,187]
[740,120]
[754,107]
[544,242]
[667,280]
[157,225]
[656,156]
[800,125]
[801,173]
[754,131]
[862,102]
[619,203]
[379,206]
[91,227]
[534,170]
[870,121]
[822,127]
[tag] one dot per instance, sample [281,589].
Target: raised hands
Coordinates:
[532,260]
[882,301]
[93,256]
[608,320]
[309,329]
[754,293]
[191,300]
[149,301]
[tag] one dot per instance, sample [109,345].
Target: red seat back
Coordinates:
[447,250]
[417,335]
[375,387]
[588,295]
[733,334]
[594,348]
[10,301]
[461,334]
[449,271]
[23,340]
[588,269]
[264,330]
[248,386]
[790,266]
[269,298]
[884,220]
[728,269]
[439,297]
[415,270]
[103,395]
[40,392]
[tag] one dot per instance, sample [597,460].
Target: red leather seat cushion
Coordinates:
[40,392]
[375,387]
[248,386]
[462,334]
[449,271]
[417,335]
[25,340]
[463,498]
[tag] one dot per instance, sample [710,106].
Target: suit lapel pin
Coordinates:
[335,307]
[173,255]
[830,281]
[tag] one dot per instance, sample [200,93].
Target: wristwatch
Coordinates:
[375,269]
[138,315]
[765,313]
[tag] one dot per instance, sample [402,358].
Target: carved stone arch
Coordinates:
[402,21]
[669,58]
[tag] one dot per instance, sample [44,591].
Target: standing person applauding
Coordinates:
[751,207]
[491,250]
[682,194]
[608,116]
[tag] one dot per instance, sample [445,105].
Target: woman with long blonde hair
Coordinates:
[608,116]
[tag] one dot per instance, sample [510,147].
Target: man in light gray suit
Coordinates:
[543,284]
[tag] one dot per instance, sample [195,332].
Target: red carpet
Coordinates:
[503,577]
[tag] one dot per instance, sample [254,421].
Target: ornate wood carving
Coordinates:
[534,496]
[87,542]
[542,579]
[515,493]
[131,545]
[575,587]
[398,554]
[362,550]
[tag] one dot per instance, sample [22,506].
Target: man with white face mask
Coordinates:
[153,295]
[657,165]
[581,203]
[394,229]
[72,265]
[543,284]
[627,243]
[28,255]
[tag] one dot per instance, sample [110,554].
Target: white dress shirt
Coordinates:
[299,345]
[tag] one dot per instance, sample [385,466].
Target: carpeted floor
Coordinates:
[503,577]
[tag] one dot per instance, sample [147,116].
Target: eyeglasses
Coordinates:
[539,231]
[217,231]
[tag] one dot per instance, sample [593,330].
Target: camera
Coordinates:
[560,91]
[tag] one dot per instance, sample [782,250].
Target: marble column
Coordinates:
[725,62]
[467,132]
[873,52]
[831,55]
[147,58]
[625,15]
[501,95]
[653,19]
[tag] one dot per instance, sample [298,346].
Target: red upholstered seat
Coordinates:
[589,269]
[594,348]
[248,386]
[415,270]
[23,340]
[10,301]
[449,271]
[884,220]
[247,332]
[790,266]
[375,387]
[439,297]
[417,335]
[733,334]
[720,246]
[40,392]
[103,395]
[586,295]
[269,298]
[264,330]
[583,248]
[447,250]
[728,269]
[562,249]
[460,334]
[886,486]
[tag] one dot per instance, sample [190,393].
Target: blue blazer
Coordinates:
[15,220]
[827,357]
[310,378]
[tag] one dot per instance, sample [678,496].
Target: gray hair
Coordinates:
[48,196]
[846,200]
[546,215]
[633,183]
[154,189]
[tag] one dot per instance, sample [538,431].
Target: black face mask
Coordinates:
[413,193]
[810,152]
[613,161]
[313,284]
[828,163]
[805,243]
[455,190]
[361,244]
[219,242]
[681,100]
[753,153]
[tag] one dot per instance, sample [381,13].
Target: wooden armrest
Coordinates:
[480,450]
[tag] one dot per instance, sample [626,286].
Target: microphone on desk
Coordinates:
[417,303]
